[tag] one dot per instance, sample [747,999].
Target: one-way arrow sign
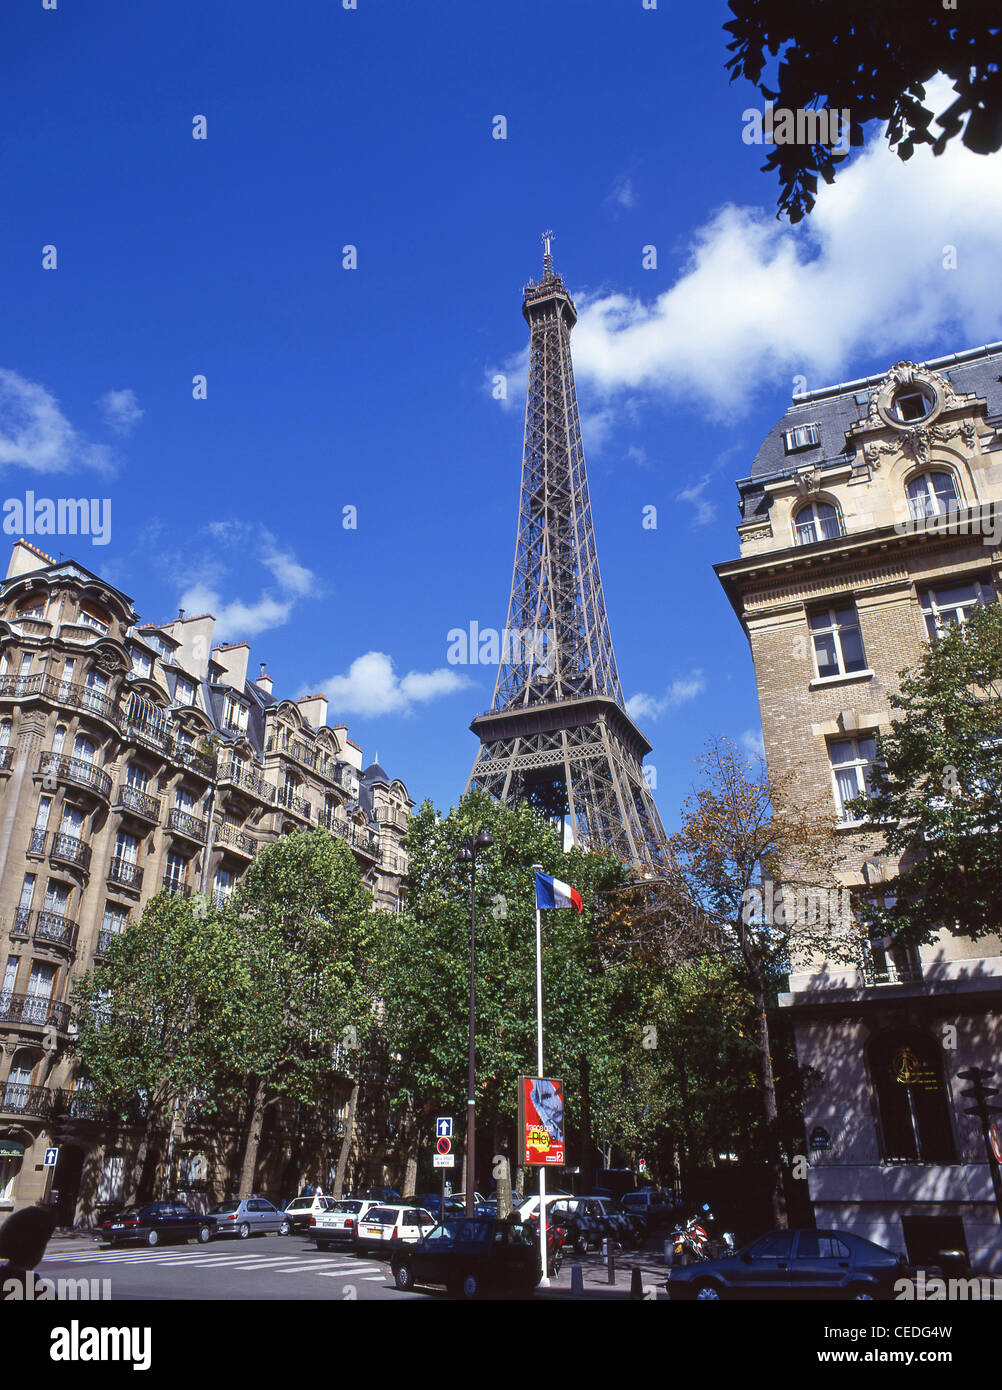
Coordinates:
[443,1127]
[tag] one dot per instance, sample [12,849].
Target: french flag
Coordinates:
[550,892]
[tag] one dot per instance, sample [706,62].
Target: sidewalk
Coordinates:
[595,1277]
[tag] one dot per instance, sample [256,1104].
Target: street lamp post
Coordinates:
[468,855]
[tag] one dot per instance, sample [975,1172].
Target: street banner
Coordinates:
[541,1121]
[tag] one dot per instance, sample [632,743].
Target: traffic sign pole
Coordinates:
[979,1094]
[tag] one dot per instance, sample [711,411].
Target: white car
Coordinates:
[393,1225]
[301,1209]
[338,1225]
[529,1210]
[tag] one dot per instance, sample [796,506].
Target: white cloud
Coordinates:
[761,301]
[372,687]
[622,193]
[238,618]
[121,410]
[705,509]
[752,742]
[685,688]
[34,432]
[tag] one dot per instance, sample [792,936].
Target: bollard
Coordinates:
[610,1260]
[577,1281]
[636,1283]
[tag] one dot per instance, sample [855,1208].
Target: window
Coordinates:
[776,1246]
[142,664]
[911,405]
[943,607]
[5,732]
[932,494]
[115,919]
[801,437]
[23,910]
[84,749]
[175,872]
[236,714]
[907,1071]
[184,692]
[818,521]
[92,619]
[838,646]
[816,1246]
[35,608]
[851,761]
[9,977]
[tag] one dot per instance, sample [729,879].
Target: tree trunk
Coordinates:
[145,1159]
[770,1109]
[587,1143]
[502,1168]
[346,1139]
[248,1166]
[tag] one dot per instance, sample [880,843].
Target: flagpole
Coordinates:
[545,1280]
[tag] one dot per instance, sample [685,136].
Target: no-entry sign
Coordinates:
[996,1141]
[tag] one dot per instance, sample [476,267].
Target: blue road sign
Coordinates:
[443,1127]
[49,1161]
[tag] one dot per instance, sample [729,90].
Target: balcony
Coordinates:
[183,823]
[151,736]
[123,873]
[365,841]
[884,962]
[202,764]
[53,929]
[67,849]
[243,777]
[176,888]
[78,772]
[104,939]
[20,687]
[17,1098]
[80,697]
[33,1010]
[298,805]
[234,839]
[137,802]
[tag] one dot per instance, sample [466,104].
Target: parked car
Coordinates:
[249,1216]
[338,1224]
[157,1223]
[384,1226]
[432,1201]
[300,1209]
[471,1256]
[587,1220]
[381,1194]
[794,1264]
[654,1208]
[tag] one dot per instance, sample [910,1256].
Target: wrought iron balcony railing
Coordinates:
[68,849]
[80,697]
[17,1098]
[78,771]
[6,757]
[125,873]
[176,888]
[366,841]
[225,834]
[104,939]
[33,1010]
[53,929]
[138,802]
[297,804]
[244,777]
[204,764]
[183,823]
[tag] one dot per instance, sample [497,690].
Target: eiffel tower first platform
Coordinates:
[557,733]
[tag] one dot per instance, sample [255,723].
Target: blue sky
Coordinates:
[370,388]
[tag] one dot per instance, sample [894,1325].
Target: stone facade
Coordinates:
[872,513]
[136,757]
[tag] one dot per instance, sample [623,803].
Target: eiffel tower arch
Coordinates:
[557,733]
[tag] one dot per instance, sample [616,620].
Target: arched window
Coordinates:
[818,521]
[932,494]
[907,1072]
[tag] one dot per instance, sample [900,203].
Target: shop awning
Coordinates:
[10,1148]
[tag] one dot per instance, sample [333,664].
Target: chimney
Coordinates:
[264,681]
[24,558]
[195,636]
[233,658]
[313,708]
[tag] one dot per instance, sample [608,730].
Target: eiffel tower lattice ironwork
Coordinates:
[557,733]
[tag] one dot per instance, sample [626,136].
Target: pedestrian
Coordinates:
[23,1238]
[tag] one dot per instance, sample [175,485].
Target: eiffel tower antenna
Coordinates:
[557,733]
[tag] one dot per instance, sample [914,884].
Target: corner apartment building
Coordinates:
[136,757]
[872,515]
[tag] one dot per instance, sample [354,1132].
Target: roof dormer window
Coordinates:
[801,437]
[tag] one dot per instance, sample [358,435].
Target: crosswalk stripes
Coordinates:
[303,1263]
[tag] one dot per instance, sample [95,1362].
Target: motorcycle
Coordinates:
[691,1238]
[556,1236]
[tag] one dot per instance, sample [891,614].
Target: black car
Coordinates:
[157,1223]
[794,1264]
[432,1201]
[471,1256]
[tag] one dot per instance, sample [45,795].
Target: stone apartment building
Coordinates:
[873,513]
[136,757]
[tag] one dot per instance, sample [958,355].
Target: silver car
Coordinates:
[249,1216]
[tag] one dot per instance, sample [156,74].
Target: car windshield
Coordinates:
[382,1216]
[222,1207]
[131,1213]
[347,1206]
[300,1204]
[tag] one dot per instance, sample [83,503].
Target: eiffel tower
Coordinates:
[557,734]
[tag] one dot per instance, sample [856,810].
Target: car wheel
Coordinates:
[285,1229]
[204,1235]
[859,1293]
[244,1231]
[152,1238]
[403,1278]
[707,1291]
[470,1286]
